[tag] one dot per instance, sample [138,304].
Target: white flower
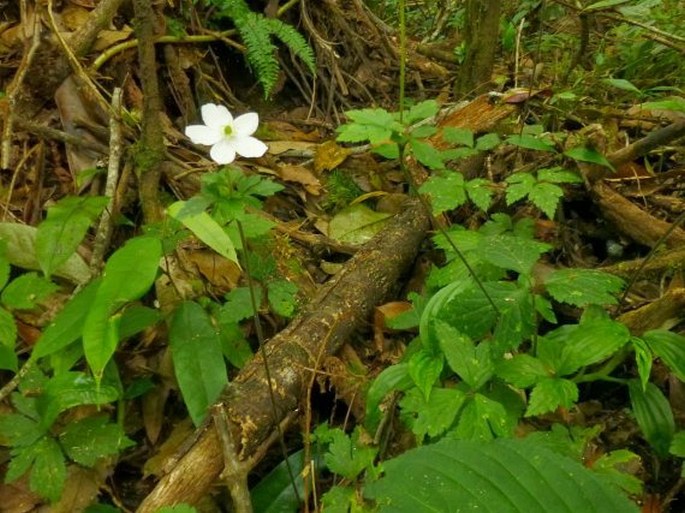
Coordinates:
[227,136]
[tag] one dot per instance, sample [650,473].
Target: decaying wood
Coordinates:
[339,309]
[656,314]
[668,261]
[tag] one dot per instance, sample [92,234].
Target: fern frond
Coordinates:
[261,52]
[290,37]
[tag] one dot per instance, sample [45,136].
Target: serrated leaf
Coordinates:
[512,253]
[480,192]
[426,154]
[653,414]
[238,305]
[610,465]
[590,155]
[558,175]
[396,377]
[458,136]
[282,296]
[421,111]
[21,252]
[62,231]
[582,287]
[472,364]
[19,430]
[482,419]
[670,347]
[550,394]
[207,230]
[519,186]
[432,416]
[546,197]
[346,455]
[373,125]
[506,476]
[26,291]
[591,342]
[49,472]
[425,369]
[446,191]
[89,439]
[198,363]
[487,142]
[529,142]
[522,371]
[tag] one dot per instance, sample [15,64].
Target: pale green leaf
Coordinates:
[421,111]
[621,83]
[458,136]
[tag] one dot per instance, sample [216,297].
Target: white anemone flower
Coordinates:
[227,136]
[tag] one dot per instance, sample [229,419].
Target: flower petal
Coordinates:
[216,116]
[201,134]
[223,152]
[246,124]
[249,147]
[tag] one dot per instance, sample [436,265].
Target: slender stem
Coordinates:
[403,54]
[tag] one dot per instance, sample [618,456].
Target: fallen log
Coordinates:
[339,309]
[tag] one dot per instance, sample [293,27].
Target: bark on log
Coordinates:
[339,309]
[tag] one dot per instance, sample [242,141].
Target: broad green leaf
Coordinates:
[432,416]
[678,444]
[178,508]
[546,197]
[89,439]
[8,329]
[347,456]
[60,234]
[4,264]
[206,229]
[19,430]
[282,296]
[340,499]
[393,378]
[653,414]
[71,389]
[24,292]
[611,464]
[592,342]
[426,154]
[519,185]
[458,136]
[8,359]
[590,155]
[503,476]
[425,369]
[21,252]
[670,347]
[100,338]
[421,111]
[512,253]
[487,142]
[274,493]
[550,394]
[238,305]
[137,318]
[603,4]
[68,324]
[674,103]
[373,125]
[522,371]
[482,419]
[643,359]
[480,192]
[198,363]
[571,441]
[558,175]
[356,224]
[234,347]
[622,83]
[446,191]
[530,142]
[472,364]
[582,287]
[49,472]
[423,131]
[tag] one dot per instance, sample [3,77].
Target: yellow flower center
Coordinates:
[228,130]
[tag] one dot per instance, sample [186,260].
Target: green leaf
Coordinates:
[425,369]
[432,416]
[178,508]
[674,103]
[420,111]
[653,415]
[89,439]
[591,342]
[522,371]
[137,318]
[71,389]
[4,264]
[49,472]
[670,347]
[459,136]
[519,186]
[395,377]
[472,364]
[274,493]
[198,363]
[643,359]
[21,252]
[530,142]
[480,192]
[207,230]
[19,430]
[340,499]
[356,224]
[558,175]
[590,155]
[426,154]
[487,142]
[346,456]
[64,228]
[582,287]
[446,191]
[423,131]
[678,445]
[512,253]
[26,291]
[67,326]
[282,296]
[603,4]
[621,83]
[373,125]
[503,476]
[8,340]
[546,197]
[610,465]
[550,394]
[483,419]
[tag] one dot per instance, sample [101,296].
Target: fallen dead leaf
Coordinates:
[329,155]
[301,175]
